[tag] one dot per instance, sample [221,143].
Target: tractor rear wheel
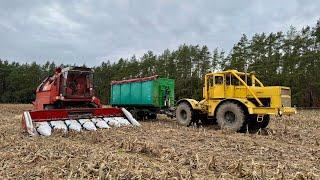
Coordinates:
[265,121]
[230,116]
[184,114]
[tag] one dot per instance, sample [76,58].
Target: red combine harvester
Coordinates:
[66,101]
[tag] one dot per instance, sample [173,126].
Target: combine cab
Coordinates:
[66,101]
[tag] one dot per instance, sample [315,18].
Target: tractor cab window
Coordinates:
[235,81]
[246,79]
[231,80]
[218,80]
[228,79]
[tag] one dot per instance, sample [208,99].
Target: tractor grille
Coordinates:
[264,101]
[286,101]
[285,97]
[285,91]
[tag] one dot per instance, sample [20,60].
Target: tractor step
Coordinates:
[260,117]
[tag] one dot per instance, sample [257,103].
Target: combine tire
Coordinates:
[230,116]
[184,114]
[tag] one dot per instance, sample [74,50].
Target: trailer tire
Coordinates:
[152,116]
[134,114]
[184,114]
[230,116]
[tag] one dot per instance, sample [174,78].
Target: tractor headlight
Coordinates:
[280,112]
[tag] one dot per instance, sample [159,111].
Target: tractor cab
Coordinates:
[229,84]
[215,84]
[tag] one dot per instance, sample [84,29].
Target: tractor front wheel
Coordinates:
[184,114]
[230,116]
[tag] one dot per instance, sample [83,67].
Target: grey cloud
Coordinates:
[90,32]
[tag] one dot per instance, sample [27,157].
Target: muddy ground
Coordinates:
[162,149]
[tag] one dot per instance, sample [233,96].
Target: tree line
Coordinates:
[289,58]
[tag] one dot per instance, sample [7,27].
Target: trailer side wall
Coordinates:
[144,93]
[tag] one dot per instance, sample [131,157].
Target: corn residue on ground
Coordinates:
[162,149]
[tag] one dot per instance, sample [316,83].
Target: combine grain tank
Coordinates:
[144,97]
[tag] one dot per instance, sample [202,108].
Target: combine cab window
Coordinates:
[78,84]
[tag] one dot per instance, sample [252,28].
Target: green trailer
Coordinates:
[144,97]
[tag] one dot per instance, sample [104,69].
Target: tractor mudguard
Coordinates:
[249,105]
[196,105]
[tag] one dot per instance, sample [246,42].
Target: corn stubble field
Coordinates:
[162,149]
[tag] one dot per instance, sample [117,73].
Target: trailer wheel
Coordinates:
[134,114]
[230,116]
[152,116]
[184,114]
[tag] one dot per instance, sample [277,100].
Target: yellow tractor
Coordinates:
[237,101]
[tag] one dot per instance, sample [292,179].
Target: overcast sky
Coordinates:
[87,31]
